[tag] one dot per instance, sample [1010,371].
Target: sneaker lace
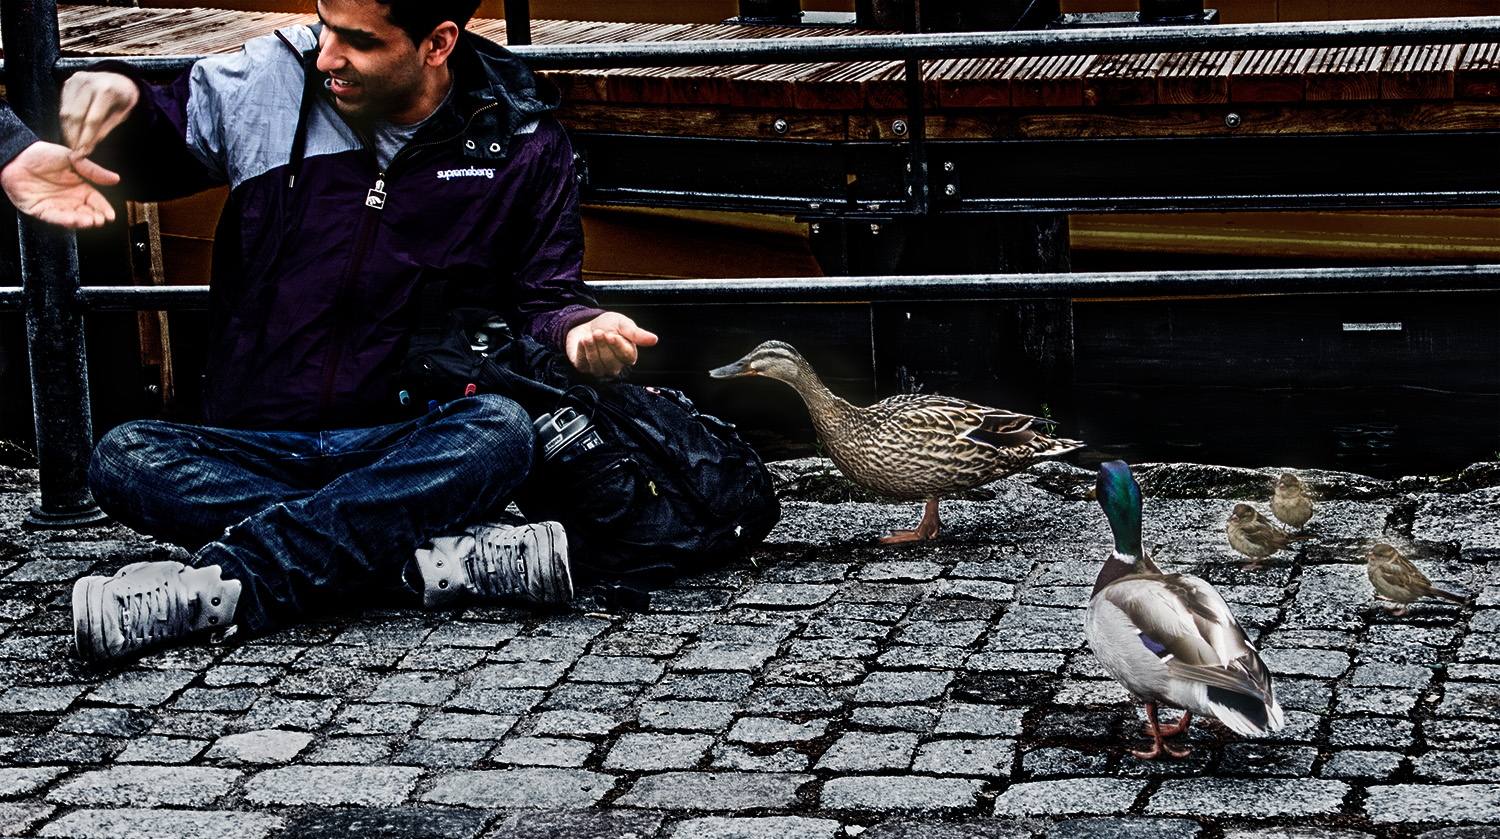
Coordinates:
[162,611]
[497,566]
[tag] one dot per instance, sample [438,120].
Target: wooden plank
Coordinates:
[972,82]
[770,85]
[1372,116]
[691,85]
[699,121]
[1195,78]
[1048,81]
[639,84]
[1123,79]
[144,35]
[155,337]
[842,87]
[1269,76]
[1344,73]
[1420,71]
[83,27]
[1478,75]
[887,90]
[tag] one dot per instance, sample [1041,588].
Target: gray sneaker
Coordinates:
[491,561]
[147,605]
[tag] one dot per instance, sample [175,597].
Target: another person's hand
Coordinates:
[607,344]
[92,105]
[48,182]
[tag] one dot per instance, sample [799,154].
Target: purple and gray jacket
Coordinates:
[317,284]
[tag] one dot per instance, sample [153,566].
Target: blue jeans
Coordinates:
[305,519]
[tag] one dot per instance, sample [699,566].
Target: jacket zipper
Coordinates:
[374,204]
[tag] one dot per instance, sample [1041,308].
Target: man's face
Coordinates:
[375,69]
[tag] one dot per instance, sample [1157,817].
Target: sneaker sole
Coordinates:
[557,551]
[88,603]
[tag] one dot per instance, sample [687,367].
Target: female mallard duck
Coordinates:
[1170,639]
[909,447]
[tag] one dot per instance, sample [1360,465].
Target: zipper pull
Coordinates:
[376,197]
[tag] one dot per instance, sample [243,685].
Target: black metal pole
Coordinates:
[941,287]
[517,23]
[916,120]
[49,283]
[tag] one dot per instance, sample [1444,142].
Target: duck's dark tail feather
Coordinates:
[1244,713]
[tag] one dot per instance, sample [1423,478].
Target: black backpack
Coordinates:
[656,490]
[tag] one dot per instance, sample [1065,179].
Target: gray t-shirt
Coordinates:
[391,138]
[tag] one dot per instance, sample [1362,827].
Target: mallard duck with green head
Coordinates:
[912,447]
[1170,639]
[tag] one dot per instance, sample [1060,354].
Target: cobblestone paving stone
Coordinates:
[827,688]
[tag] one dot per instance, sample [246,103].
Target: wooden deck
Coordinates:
[1448,87]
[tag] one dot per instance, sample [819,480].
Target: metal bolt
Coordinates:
[781,126]
[154,390]
[1232,120]
[874,230]
[140,246]
[899,128]
[948,166]
[908,167]
[815,227]
[950,190]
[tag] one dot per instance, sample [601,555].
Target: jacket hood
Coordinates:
[495,93]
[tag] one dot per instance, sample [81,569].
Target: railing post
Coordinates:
[49,280]
[517,23]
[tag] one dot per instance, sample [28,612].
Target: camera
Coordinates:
[565,434]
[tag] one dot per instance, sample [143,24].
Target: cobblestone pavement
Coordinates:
[831,688]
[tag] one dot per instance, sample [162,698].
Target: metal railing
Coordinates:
[934,46]
[54,303]
[914,288]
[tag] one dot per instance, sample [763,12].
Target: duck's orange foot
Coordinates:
[1156,750]
[928,529]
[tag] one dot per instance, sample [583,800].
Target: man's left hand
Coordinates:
[607,344]
[46,181]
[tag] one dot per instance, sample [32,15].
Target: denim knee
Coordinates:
[501,430]
[117,458]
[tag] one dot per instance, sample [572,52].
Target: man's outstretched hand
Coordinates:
[607,344]
[48,182]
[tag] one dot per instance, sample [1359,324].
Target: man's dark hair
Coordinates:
[417,18]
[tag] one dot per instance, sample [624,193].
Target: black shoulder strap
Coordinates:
[311,79]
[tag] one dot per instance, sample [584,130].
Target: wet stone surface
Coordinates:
[828,689]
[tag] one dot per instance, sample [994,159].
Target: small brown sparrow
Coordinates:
[1290,503]
[1253,535]
[1397,580]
